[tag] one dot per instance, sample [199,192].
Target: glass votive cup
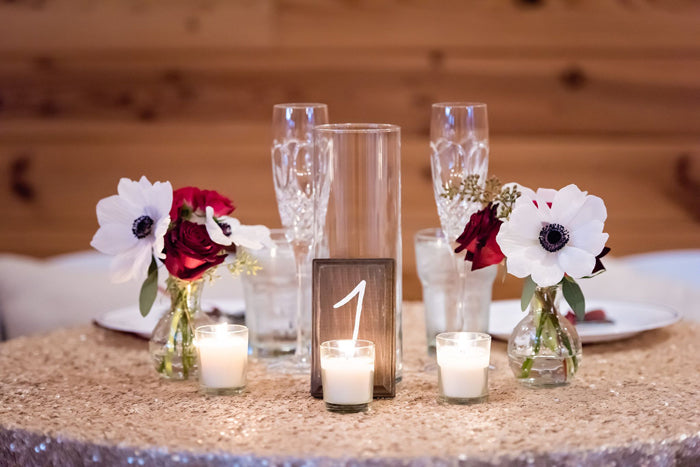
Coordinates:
[222,350]
[463,367]
[347,375]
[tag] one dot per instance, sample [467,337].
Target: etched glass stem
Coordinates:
[302,258]
[461,266]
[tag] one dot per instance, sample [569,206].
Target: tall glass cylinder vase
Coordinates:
[459,143]
[361,198]
[294,173]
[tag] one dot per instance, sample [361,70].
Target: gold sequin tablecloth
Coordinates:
[88,395]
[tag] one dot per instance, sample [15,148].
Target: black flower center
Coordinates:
[142,227]
[225,228]
[553,237]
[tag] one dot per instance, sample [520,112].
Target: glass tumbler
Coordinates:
[271,299]
[442,299]
[359,210]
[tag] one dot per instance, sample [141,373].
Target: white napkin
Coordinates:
[628,281]
[68,290]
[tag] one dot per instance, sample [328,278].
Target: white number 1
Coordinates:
[359,289]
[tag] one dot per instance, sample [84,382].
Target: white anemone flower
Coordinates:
[551,233]
[132,226]
[225,230]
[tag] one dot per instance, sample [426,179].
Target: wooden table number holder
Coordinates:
[333,280]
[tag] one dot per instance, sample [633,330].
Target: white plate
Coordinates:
[129,319]
[629,318]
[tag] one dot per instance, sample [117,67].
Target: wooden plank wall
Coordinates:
[598,92]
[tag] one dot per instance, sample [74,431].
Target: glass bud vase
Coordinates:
[172,343]
[544,348]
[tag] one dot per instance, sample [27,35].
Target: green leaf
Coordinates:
[574,296]
[149,289]
[528,291]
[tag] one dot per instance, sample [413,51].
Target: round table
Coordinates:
[89,395]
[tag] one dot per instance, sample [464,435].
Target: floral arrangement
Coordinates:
[189,230]
[551,238]
[548,237]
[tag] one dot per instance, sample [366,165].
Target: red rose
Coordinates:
[479,238]
[191,199]
[221,204]
[183,203]
[189,251]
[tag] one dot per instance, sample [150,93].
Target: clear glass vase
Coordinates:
[172,343]
[358,212]
[544,348]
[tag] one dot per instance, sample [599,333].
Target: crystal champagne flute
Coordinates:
[459,143]
[295,175]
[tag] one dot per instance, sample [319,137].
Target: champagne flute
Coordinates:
[459,143]
[295,175]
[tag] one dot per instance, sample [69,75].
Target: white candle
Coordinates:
[463,375]
[347,374]
[347,381]
[223,356]
[463,366]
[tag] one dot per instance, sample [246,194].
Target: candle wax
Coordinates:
[463,373]
[223,359]
[347,381]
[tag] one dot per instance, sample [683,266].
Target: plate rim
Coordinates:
[588,338]
[100,320]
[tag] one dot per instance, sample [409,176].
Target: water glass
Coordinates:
[271,299]
[443,298]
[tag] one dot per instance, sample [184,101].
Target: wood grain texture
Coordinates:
[601,93]
[544,95]
[479,24]
[333,279]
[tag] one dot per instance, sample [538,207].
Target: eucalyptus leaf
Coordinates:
[149,289]
[574,296]
[529,287]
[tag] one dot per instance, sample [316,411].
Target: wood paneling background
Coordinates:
[602,93]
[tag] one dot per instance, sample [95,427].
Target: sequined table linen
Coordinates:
[88,395]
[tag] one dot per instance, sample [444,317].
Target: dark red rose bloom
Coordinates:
[183,202]
[221,204]
[479,238]
[191,199]
[189,251]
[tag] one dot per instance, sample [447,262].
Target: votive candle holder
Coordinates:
[223,358]
[463,366]
[347,374]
